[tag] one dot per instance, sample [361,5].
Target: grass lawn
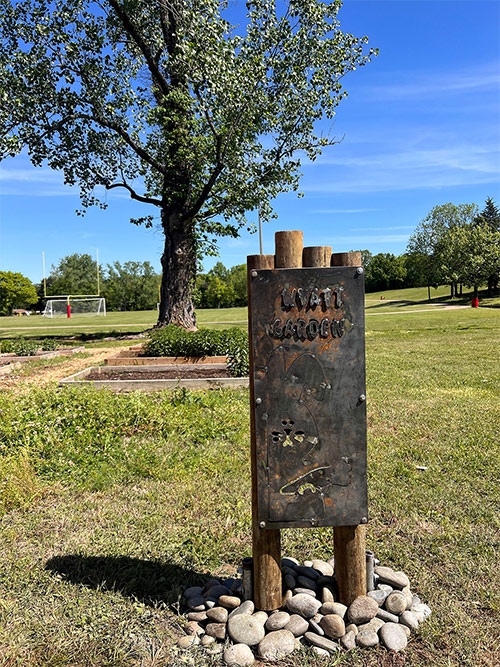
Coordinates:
[112,505]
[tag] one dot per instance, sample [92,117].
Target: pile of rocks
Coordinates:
[222,621]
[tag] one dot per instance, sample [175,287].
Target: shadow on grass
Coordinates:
[150,582]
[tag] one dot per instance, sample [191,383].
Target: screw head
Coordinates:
[262,524]
[359,270]
[362,398]
[364,519]
[254,274]
[258,401]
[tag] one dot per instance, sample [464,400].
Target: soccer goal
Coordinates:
[69,306]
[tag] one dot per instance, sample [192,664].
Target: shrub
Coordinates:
[25,348]
[172,341]
[48,344]
[6,346]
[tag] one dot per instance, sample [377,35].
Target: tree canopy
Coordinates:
[15,290]
[171,103]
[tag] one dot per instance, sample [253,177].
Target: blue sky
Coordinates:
[421,127]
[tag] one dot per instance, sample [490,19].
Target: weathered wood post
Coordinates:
[349,541]
[308,415]
[266,544]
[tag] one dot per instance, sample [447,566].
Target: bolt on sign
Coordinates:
[309,386]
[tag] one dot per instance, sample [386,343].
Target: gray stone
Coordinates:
[217,591]
[239,655]
[193,592]
[260,617]
[304,605]
[187,641]
[409,619]
[416,600]
[288,595]
[305,582]
[408,595]
[352,627]
[304,591]
[393,637]
[308,563]
[395,603]
[331,561]
[314,626]
[198,616]
[215,649]
[325,568]
[348,641]
[321,642]
[407,630]
[385,587]
[367,639]
[276,645]
[277,621]
[327,595]
[387,617]
[217,615]
[297,625]
[229,601]
[246,607]
[378,596]
[289,581]
[421,608]
[217,630]
[375,624]
[362,610]
[210,603]
[207,640]
[307,572]
[333,608]
[196,604]
[394,579]
[333,626]
[320,652]
[245,629]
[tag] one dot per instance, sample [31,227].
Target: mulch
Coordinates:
[174,374]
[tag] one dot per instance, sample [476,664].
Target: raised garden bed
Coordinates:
[127,359]
[167,376]
[10,362]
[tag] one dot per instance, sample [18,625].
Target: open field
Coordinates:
[114,504]
[120,323]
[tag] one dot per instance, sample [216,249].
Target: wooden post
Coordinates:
[316,256]
[266,543]
[289,248]
[349,541]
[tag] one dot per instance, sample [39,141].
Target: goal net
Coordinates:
[90,307]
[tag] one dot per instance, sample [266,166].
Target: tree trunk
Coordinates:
[178,273]
[476,291]
[428,292]
[451,290]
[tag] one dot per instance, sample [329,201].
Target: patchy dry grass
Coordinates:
[114,504]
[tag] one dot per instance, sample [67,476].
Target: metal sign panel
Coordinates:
[309,386]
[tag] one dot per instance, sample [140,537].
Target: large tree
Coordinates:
[15,290]
[168,101]
[74,274]
[490,216]
[131,286]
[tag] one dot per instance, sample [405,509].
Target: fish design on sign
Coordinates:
[319,479]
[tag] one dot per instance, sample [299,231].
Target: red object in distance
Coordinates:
[69,310]
[475,302]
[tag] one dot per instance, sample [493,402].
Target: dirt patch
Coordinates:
[174,374]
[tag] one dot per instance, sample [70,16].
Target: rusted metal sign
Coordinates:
[309,379]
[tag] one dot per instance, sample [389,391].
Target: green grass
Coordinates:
[113,504]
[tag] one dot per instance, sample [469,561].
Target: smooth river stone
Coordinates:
[193,592]
[304,605]
[245,629]
[393,636]
[306,582]
[289,561]
[304,591]
[309,572]
[206,640]
[333,608]
[239,655]
[325,568]
[367,638]
[198,616]
[297,625]
[362,610]
[187,641]
[217,591]
[321,642]
[333,626]
[277,621]
[327,595]
[196,604]
[395,603]
[217,614]
[378,596]
[193,628]
[260,617]
[217,630]
[276,645]
[388,576]
[246,607]
[348,641]
[290,581]
[409,619]
[421,608]
[229,601]
[387,617]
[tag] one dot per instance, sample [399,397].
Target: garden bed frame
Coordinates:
[13,362]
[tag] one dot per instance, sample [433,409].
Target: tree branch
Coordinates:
[133,193]
[134,34]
